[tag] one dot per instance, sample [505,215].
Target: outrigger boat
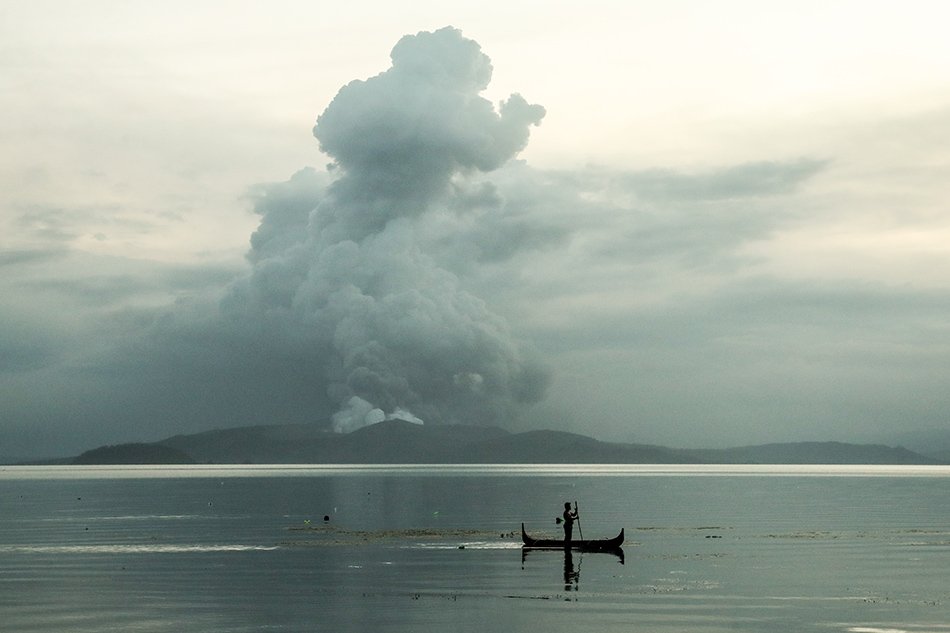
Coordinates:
[601,545]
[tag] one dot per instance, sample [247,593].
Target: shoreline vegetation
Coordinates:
[401,442]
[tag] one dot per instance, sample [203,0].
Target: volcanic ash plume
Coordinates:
[339,274]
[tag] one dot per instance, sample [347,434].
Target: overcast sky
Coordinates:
[688,223]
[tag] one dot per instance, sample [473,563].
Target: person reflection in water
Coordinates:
[571,576]
[569,517]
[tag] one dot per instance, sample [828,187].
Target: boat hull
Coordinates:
[601,545]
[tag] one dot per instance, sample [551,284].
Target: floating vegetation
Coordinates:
[338,536]
[804,535]
[703,528]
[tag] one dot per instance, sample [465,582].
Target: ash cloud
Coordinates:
[339,272]
[399,137]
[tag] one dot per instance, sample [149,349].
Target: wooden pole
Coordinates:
[580,530]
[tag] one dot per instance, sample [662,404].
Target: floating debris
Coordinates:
[339,536]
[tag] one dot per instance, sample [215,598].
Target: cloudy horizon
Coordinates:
[686,227]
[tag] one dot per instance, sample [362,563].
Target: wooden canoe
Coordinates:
[603,545]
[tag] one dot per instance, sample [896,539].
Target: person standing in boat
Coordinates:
[569,517]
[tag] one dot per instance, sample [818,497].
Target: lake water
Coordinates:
[437,549]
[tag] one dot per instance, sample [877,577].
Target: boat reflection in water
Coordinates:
[569,554]
[571,573]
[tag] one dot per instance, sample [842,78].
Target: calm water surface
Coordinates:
[862,550]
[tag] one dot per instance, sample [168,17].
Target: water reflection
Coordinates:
[569,554]
[572,576]
[572,566]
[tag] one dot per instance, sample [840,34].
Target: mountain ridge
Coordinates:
[399,441]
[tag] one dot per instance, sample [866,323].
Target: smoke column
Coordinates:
[339,274]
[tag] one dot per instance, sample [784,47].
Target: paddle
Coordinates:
[578,519]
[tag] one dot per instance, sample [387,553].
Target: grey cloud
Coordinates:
[756,179]
[762,360]
[12,258]
[834,304]
[500,241]
[59,225]
[111,290]
[24,348]
[695,219]
[593,228]
[494,223]
[771,312]
[48,224]
[92,290]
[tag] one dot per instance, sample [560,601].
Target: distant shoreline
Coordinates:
[166,471]
[399,442]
